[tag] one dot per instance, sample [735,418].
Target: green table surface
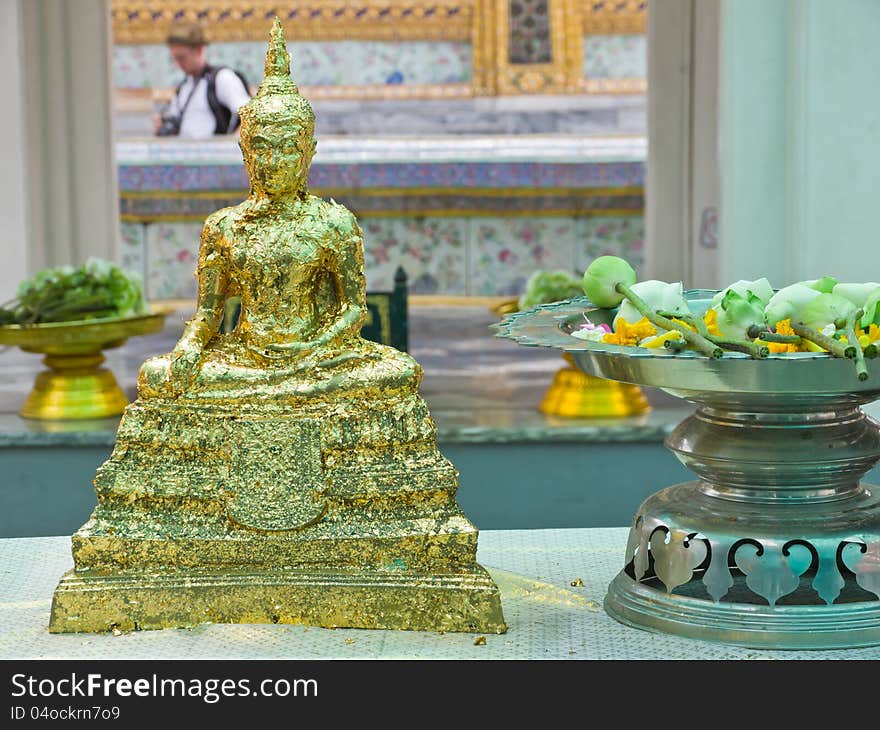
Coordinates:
[548,618]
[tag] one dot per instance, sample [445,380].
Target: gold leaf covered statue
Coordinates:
[287,471]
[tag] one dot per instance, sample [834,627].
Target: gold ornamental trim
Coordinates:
[494,73]
[147,21]
[525,212]
[624,85]
[613,17]
[529,192]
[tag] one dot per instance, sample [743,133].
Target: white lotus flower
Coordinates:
[658,295]
[788,303]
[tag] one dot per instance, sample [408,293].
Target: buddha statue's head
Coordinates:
[277,136]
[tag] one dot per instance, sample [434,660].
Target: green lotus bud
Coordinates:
[788,303]
[601,278]
[825,284]
[760,288]
[827,309]
[737,313]
[658,295]
[864,296]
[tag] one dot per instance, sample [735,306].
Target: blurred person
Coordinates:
[207,101]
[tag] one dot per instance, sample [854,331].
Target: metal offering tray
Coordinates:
[777,543]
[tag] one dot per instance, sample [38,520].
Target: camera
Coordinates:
[170,126]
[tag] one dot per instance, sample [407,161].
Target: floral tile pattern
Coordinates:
[610,235]
[172,254]
[483,256]
[615,57]
[132,248]
[312,63]
[432,251]
[504,252]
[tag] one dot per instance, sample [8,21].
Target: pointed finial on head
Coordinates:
[277,57]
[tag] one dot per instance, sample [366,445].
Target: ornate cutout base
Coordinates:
[773,575]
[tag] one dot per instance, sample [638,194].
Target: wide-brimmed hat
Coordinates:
[186,33]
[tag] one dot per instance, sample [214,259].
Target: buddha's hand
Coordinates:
[184,367]
[294,348]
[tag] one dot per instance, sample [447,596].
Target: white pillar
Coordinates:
[13,197]
[800,126]
[681,190]
[58,195]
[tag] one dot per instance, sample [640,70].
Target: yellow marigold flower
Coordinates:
[711,320]
[684,324]
[866,338]
[662,339]
[630,334]
[783,327]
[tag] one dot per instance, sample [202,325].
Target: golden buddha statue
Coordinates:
[287,471]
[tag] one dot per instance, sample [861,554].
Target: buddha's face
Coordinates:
[277,157]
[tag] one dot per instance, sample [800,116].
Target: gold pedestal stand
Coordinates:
[577,394]
[75,386]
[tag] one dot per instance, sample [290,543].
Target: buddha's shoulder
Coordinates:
[331,214]
[220,220]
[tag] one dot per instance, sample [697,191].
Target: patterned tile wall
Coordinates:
[615,56]
[312,63]
[479,256]
[172,254]
[505,251]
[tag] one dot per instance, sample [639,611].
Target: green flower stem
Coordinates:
[690,319]
[835,347]
[767,335]
[697,340]
[759,352]
[852,338]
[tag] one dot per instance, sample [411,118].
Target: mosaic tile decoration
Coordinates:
[365,205]
[549,614]
[326,63]
[529,23]
[419,175]
[615,57]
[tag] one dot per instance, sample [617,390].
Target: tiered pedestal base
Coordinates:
[335,515]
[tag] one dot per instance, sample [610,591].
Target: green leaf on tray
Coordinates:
[97,289]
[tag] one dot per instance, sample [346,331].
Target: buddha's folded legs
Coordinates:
[224,374]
